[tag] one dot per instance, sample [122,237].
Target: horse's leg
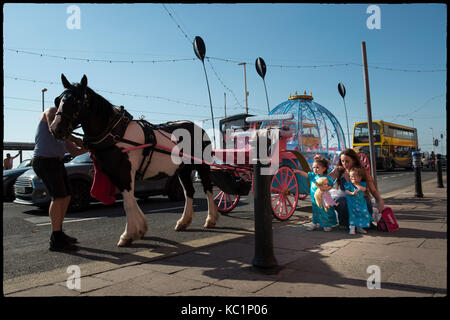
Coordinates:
[136,226]
[186,182]
[213,214]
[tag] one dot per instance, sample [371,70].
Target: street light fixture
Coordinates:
[245,83]
[43,90]
[412,120]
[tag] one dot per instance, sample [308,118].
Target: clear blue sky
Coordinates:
[412,37]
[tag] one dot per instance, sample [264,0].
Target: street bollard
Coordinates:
[416,164]
[264,256]
[440,184]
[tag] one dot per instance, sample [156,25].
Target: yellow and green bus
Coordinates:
[393,143]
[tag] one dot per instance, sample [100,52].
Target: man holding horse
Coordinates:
[48,164]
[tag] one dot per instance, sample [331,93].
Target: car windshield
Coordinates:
[83,158]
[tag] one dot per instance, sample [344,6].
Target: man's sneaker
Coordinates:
[313,227]
[69,238]
[361,230]
[59,242]
[327,229]
[352,230]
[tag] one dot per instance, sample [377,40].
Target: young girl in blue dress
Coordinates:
[321,217]
[358,212]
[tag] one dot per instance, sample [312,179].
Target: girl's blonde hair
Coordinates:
[361,172]
[318,194]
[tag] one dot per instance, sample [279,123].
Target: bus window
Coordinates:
[361,134]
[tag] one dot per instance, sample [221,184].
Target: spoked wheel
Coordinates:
[284,193]
[225,202]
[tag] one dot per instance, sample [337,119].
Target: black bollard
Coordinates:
[440,184]
[264,256]
[416,164]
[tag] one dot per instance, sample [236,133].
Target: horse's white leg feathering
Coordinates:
[213,214]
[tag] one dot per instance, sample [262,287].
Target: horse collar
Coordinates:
[113,132]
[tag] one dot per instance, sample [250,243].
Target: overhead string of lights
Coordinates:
[98,60]
[207,58]
[229,60]
[118,93]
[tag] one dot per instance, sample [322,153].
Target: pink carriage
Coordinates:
[304,129]
[232,173]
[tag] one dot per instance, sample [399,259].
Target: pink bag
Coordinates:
[387,222]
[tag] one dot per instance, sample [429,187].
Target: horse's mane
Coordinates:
[102,106]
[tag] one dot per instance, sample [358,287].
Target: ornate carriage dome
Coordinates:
[316,128]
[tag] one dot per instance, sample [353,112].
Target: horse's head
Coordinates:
[72,105]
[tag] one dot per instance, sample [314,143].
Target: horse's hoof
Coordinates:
[142,233]
[180,227]
[209,224]
[124,242]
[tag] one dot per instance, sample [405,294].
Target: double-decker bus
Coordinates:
[393,143]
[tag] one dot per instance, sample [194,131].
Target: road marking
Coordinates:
[410,193]
[70,220]
[45,221]
[166,209]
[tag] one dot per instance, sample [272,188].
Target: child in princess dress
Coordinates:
[359,216]
[324,217]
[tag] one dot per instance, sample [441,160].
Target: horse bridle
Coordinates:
[75,116]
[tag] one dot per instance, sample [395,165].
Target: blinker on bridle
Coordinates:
[76,114]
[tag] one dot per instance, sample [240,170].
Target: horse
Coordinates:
[108,131]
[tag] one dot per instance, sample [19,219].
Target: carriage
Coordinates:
[301,127]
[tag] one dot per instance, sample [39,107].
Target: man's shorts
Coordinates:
[54,175]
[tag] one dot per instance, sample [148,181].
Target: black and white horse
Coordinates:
[109,130]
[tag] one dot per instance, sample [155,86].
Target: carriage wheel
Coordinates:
[284,193]
[225,202]
[365,162]
[295,166]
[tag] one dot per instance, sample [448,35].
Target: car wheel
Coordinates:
[176,192]
[81,196]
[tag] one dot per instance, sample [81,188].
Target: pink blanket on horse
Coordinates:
[102,189]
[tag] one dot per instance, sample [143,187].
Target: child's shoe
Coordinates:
[327,229]
[313,227]
[361,230]
[352,230]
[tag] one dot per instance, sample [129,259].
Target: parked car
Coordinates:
[10,176]
[30,189]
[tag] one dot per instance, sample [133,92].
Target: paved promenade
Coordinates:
[411,262]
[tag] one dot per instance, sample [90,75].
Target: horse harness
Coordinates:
[116,130]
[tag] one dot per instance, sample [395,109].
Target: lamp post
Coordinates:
[245,84]
[43,90]
[412,120]
[432,138]
[341,90]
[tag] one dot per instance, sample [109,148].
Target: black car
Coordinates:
[10,176]
[30,189]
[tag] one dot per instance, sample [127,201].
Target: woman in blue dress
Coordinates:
[359,215]
[321,217]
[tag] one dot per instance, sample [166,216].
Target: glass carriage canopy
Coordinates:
[315,128]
